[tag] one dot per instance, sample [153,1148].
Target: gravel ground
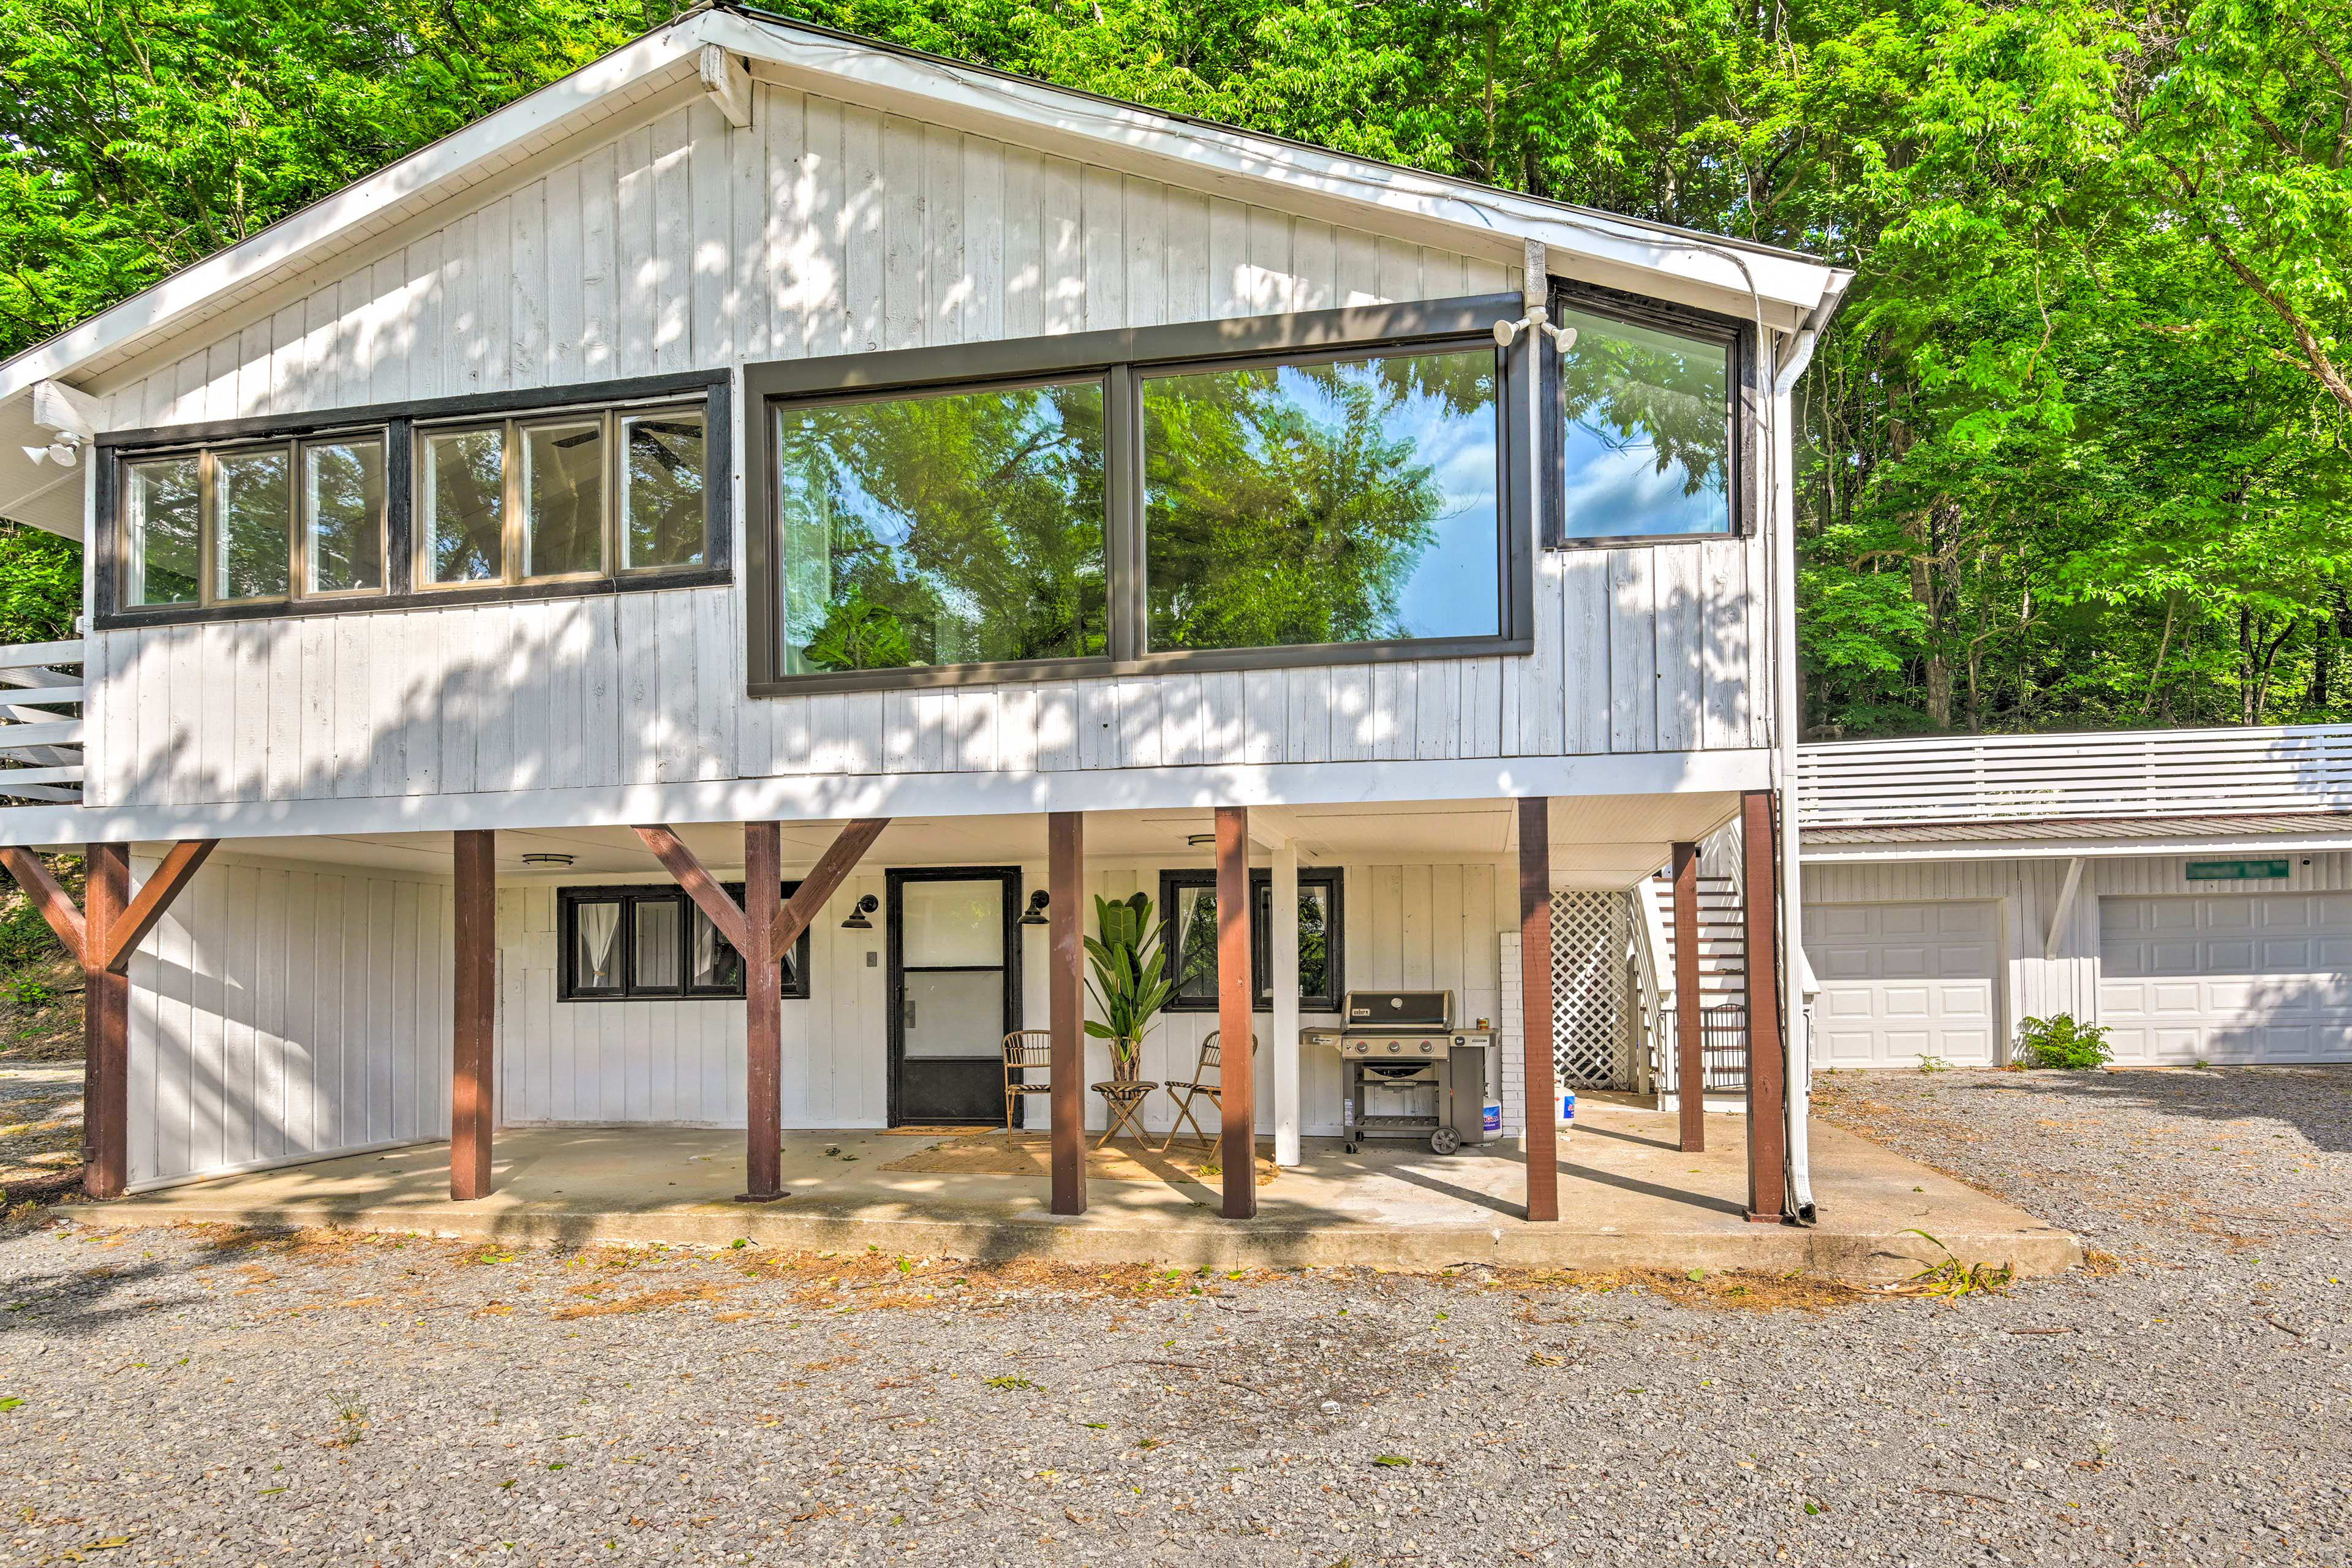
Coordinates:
[40,1129]
[218,1397]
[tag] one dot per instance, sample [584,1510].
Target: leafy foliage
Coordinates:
[2060,1043]
[2076,453]
[1128,983]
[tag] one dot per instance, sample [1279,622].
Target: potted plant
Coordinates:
[1128,983]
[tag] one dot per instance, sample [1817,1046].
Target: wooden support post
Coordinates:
[1535,990]
[1066,997]
[825,878]
[103,942]
[1768,1133]
[1237,1064]
[472,1040]
[106,1021]
[1690,1044]
[764,1013]
[1282,957]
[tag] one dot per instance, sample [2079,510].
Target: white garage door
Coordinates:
[1899,981]
[2240,977]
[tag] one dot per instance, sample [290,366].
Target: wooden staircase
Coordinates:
[1722,974]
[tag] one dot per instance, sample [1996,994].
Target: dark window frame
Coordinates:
[397,424]
[628,895]
[1123,357]
[1738,340]
[1261,882]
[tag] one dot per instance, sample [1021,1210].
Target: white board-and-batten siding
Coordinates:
[684,244]
[2033,985]
[281,1012]
[600,1063]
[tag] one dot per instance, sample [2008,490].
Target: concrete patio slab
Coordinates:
[1629,1198]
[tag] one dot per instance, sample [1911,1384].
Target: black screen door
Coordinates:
[955,990]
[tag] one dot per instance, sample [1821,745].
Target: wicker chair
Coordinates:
[1208,1083]
[1027,1051]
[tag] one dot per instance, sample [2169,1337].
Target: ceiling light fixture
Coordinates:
[1200,840]
[546,857]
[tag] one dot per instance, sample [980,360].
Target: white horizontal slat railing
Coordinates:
[2011,778]
[40,722]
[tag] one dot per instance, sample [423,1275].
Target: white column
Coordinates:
[1282,957]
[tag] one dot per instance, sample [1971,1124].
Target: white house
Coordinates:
[2188,890]
[835,467]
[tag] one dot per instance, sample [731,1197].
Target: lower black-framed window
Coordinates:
[648,943]
[1188,903]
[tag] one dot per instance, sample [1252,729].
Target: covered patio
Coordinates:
[314,1000]
[1629,1199]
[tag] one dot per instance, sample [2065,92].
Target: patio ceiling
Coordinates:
[1597,840]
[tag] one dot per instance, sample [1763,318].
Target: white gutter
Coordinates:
[1797,974]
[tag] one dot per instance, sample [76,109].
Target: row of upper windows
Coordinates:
[582,494]
[1045,507]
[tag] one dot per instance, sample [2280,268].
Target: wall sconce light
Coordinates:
[1036,916]
[859,911]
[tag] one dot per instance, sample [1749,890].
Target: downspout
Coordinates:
[1796,974]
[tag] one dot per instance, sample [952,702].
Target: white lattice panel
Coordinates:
[1592,1047]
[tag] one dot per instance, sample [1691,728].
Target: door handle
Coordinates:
[906,1011]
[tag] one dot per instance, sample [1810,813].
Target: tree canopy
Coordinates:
[2076,453]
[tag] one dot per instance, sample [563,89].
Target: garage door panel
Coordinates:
[2238,978]
[1903,981]
[1962,1001]
[1906,920]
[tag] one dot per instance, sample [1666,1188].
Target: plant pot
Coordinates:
[1126,1061]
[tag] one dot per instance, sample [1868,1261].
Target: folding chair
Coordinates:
[1208,1083]
[1026,1051]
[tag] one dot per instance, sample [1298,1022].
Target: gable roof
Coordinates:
[1778,289]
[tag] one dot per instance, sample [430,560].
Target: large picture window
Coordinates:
[1328,487]
[533,494]
[650,943]
[954,527]
[1646,438]
[1188,902]
[1334,501]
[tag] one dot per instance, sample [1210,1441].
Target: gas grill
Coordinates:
[1408,1072]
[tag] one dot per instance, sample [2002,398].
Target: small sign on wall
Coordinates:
[2235,870]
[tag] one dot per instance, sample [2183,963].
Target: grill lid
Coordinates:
[1399,1009]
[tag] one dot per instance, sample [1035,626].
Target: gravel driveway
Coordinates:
[218,1397]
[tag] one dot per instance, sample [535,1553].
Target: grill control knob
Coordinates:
[1395,1046]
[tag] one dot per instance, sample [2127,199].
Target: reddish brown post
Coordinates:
[106,1023]
[764,1014]
[1768,1133]
[473,1041]
[102,944]
[1065,999]
[1690,1053]
[1535,990]
[1237,1063]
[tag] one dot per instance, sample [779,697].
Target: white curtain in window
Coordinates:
[600,928]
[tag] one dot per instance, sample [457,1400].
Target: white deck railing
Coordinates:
[40,721]
[2142,772]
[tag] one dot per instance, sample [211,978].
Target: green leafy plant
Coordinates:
[858,633]
[2060,1043]
[27,993]
[1129,983]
